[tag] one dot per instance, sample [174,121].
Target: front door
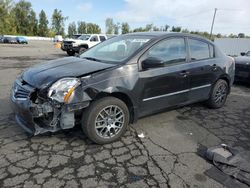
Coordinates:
[165,86]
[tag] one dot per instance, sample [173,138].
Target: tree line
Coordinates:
[20,19]
[116,28]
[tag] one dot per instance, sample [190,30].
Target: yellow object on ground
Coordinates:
[58,45]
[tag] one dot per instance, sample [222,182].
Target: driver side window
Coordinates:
[170,51]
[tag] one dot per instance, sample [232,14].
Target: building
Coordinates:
[233,46]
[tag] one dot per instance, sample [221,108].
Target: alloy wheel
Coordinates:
[109,121]
[220,94]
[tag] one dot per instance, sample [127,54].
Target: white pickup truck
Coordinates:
[82,43]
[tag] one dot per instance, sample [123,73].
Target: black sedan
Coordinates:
[120,80]
[242,67]
[11,40]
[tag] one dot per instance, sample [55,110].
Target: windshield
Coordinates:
[117,49]
[84,37]
[75,36]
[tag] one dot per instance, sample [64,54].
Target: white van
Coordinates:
[58,38]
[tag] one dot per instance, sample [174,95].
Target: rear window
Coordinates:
[102,38]
[199,50]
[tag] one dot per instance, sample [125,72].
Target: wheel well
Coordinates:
[123,97]
[85,46]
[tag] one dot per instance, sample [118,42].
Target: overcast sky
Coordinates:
[233,16]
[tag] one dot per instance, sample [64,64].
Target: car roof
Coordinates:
[158,34]
[92,34]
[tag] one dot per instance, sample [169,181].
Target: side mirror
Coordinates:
[243,53]
[152,62]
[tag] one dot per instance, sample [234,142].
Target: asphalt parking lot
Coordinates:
[165,157]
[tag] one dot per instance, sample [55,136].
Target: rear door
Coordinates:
[165,86]
[202,70]
[102,38]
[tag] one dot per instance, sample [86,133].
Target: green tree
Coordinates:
[125,28]
[22,12]
[117,28]
[109,23]
[149,27]
[43,24]
[218,35]
[71,29]
[232,35]
[58,22]
[241,35]
[185,31]
[93,28]
[207,35]
[51,33]
[7,21]
[166,27]
[176,29]
[82,27]
[33,23]
[156,28]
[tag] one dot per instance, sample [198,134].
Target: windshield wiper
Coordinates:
[92,59]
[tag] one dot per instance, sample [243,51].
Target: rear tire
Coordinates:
[218,94]
[70,53]
[105,120]
[82,50]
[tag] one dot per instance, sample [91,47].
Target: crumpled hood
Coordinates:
[242,59]
[44,74]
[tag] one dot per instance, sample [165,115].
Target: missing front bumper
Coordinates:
[40,118]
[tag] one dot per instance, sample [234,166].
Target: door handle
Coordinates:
[184,73]
[214,67]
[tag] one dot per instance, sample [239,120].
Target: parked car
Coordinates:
[120,80]
[242,67]
[58,38]
[21,40]
[11,40]
[82,43]
[75,36]
[1,38]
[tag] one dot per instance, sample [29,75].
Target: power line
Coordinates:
[195,14]
[240,10]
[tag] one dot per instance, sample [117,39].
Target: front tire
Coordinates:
[81,50]
[105,120]
[70,53]
[218,94]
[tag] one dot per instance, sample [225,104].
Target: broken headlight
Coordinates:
[63,89]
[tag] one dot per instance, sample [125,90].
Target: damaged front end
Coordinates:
[49,109]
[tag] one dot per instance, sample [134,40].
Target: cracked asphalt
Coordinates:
[165,157]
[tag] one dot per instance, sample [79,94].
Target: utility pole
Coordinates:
[212,26]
